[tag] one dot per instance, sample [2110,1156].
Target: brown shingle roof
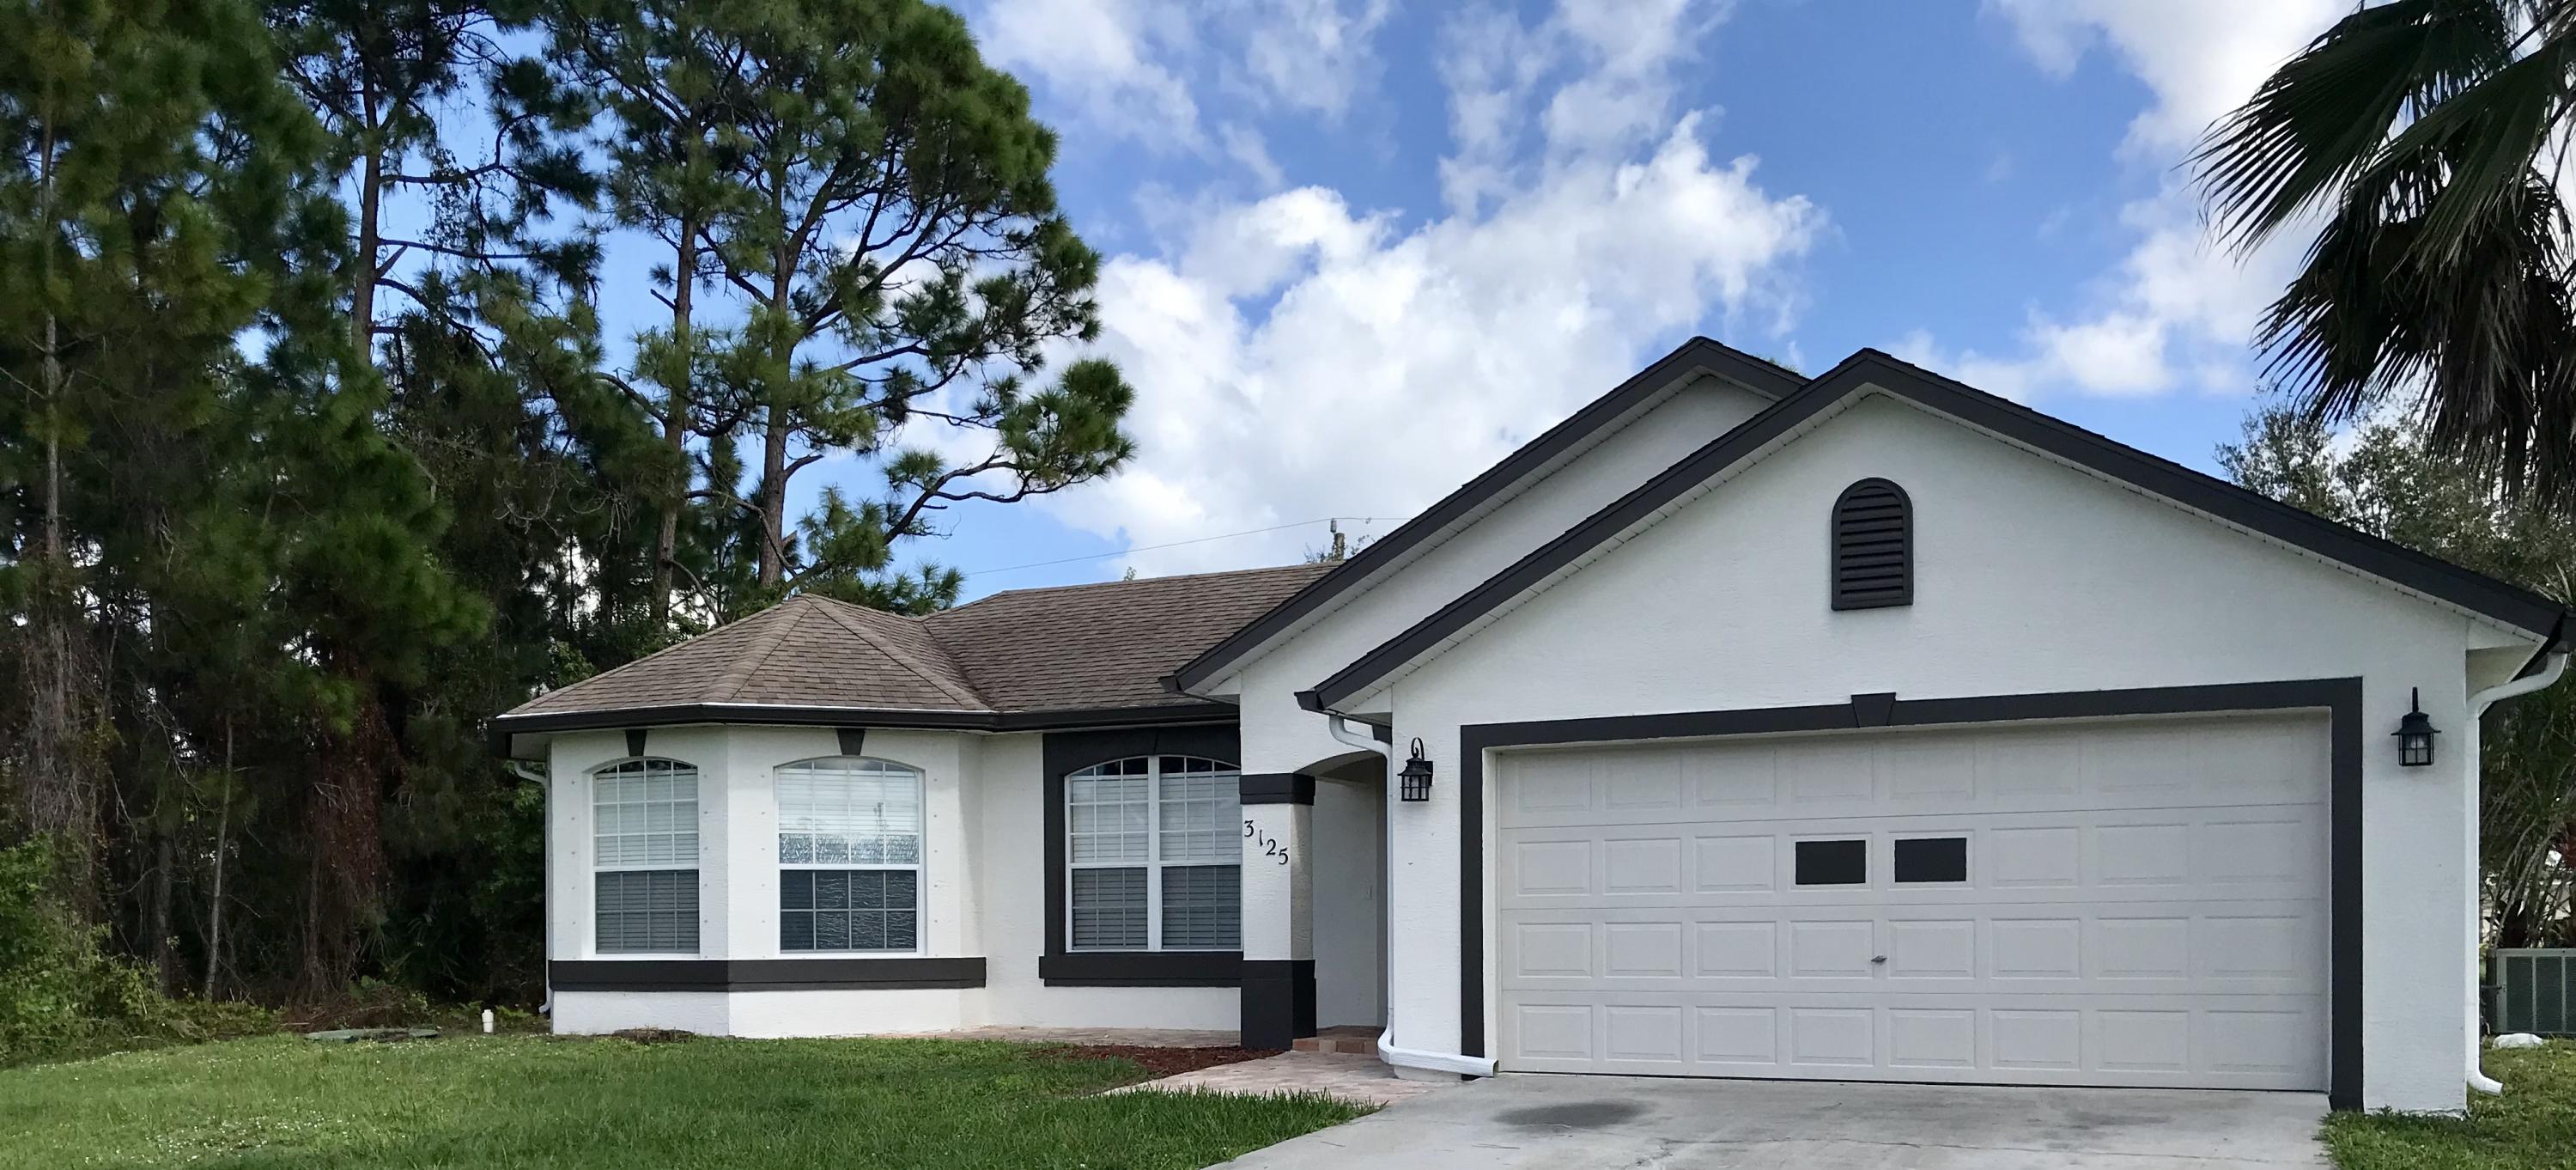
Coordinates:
[1104,645]
[1073,647]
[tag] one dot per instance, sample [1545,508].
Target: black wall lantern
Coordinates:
[1416,775]
[2415,734]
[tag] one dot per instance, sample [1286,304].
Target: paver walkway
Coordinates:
[1131,1037]
[1363,1080]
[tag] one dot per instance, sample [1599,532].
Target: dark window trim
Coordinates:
[1066,752]
[1697,354]
[2340,698]
[2502,602]
[1142,969]
[763,974]
[1846,597]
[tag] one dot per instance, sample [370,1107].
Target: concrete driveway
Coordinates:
[1565,1123]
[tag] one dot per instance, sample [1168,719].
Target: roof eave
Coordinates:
[786,715]
[2501,602]
[1699,354]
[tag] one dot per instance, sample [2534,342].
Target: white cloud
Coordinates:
[1243,144]
[2201,58]
[1611,67]
[1127,69]
[1099,56]
[1300,357]
[1313,55]
[2177,312]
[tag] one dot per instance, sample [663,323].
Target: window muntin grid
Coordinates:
[644,857]
[849,856]
[644,815]
[1154,854]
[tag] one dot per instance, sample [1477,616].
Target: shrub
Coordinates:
[59,988]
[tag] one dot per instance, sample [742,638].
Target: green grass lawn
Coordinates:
[2531,1127]
[287,1103]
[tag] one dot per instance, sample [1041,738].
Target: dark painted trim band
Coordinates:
[2503,602]
[1278,1002]
[1760,376]
[763,974]
[2340,698]
[1142,969]
[1071,751]
[1277,788]
[502,727]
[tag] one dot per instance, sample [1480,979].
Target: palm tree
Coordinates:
[2429,136]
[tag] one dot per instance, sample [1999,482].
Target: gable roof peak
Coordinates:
[2500,602]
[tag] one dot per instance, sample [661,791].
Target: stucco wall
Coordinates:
[983,890]
[1349,850]
[1015,878]
[1278,736]
[2030,577]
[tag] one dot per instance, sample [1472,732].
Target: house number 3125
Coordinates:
[1269,847]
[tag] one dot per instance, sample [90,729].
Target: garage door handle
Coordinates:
[1878,958]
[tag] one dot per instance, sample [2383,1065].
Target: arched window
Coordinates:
[849,856]
[1873,546]
[1154,853]
[644,857]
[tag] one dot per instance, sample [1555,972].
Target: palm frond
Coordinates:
[2488,137]
[2326,114]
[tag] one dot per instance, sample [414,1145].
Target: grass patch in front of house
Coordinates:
[285,1103]
[2531,1127]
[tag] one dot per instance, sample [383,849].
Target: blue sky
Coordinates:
[1358,249]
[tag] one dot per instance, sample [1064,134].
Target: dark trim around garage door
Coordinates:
[2340,698]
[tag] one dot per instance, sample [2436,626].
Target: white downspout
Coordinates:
[545,900]
[1448,1062]
[2479,701]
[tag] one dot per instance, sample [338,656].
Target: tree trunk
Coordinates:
[223,843]
[345,867]
[53,789]
[675,425]
[773,447]
[156,918]
[773,501]
[362,291]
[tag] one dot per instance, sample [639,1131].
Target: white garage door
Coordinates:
[2135,902]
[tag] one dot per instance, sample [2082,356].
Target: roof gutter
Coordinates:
[546,810]
[2479,701]
[502,727]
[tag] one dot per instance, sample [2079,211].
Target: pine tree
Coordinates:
[146,171]
[890,225]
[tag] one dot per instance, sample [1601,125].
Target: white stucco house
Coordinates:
[1855,727]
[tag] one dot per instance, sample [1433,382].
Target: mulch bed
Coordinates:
[1161,1062]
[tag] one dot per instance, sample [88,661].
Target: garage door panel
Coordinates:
[2116,918]
[2256,1043]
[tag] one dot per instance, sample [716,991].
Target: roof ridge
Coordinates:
[675,647]
[738,673]
[930,617]
[898,656]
